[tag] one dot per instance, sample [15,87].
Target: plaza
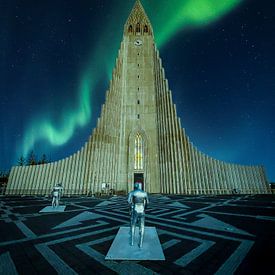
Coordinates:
[198,234]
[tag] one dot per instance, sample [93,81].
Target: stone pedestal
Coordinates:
[122,250]
[47,209]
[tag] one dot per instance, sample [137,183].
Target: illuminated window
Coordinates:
[139,149]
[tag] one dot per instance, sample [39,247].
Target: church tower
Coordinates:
[139,157]
[138,137]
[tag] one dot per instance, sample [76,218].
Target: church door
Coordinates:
[139,177]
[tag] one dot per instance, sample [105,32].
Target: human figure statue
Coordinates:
[56,193]
[138,200]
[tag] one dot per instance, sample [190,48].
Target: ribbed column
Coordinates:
[35,185]
[247,179]
[43,178]
[17,183]
[238,183]
[73,174]
[198,172]
[252,180]
[76,175]
[13,183]
[265,187]
[166,148]
[84,170]
[54,175]
[69,187]
[26,179]
[93,160]
[61,172]
[171,143]
[222,177]
[180,158]
[258,180]
[91,167]
[203,167]
[218,176]
[79,182]
[50,178]
[43,187]
[20,177]
[176,149]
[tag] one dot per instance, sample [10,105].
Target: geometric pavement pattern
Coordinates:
[231,234]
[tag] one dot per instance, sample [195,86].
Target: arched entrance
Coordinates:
[137,161]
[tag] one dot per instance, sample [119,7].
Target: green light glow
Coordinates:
[45,129]
[167,17]
[185,13]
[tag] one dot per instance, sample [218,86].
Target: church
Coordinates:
[138,137]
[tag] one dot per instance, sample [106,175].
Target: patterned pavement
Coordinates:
[198,234]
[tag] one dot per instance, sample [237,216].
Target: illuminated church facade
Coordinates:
[138,137]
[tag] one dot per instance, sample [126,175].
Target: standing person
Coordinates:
[138,200]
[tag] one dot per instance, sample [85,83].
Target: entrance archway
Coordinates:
[139,177]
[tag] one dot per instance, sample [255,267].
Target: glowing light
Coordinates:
[168,17]
[186,13]
[45,129]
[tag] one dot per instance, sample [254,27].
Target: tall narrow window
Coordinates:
[139,149]
[130,29]
[138,27]
[145,28]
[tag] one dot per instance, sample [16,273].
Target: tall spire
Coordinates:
[138,22]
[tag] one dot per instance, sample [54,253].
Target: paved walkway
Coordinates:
[198,234]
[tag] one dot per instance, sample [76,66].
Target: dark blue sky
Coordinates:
[222,77]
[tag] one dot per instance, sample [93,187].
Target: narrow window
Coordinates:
[139,149]
[138,27]
[146,29]
[138,116]
[138,76]
[130,29]
[138,101]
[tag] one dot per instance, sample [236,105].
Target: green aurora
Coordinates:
[178,14]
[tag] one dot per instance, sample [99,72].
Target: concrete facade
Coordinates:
[139,135]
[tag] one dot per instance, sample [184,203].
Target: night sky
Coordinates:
[56,59]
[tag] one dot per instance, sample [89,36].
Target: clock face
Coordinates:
[138,42]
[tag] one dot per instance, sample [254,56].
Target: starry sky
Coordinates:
[56,60]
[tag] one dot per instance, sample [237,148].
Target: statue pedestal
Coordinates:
[122,250]
[47,209]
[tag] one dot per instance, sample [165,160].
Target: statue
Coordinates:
[56,193]
[138,200]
